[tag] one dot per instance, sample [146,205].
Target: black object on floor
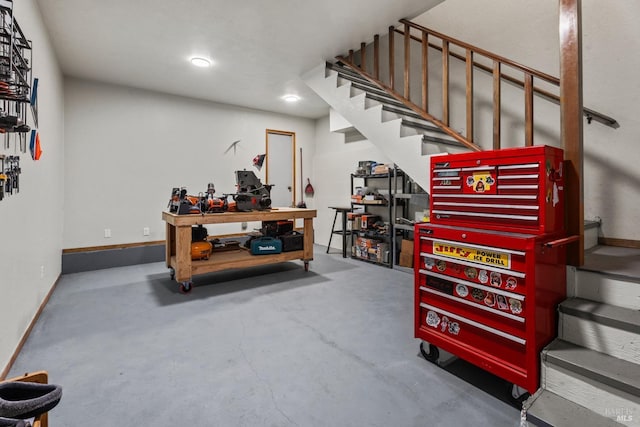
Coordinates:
[10,422]
[26,399]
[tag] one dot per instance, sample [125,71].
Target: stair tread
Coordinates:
[551,409]
[613,260]
[609,370]
[422,125]
[618,317]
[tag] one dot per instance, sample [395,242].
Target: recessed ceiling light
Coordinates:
[291,98]
[200,62]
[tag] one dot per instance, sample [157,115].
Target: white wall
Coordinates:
[527,32]
[334,161]
[127,148]
[31,221]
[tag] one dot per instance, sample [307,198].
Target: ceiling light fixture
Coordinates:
[291,98]
[200,62]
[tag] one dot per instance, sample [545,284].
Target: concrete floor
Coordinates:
[268,346]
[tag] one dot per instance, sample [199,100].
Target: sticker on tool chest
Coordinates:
[429,263]
[445,324]
[480,182]
[480,256]
[439,284]
[483,276]
[496,279]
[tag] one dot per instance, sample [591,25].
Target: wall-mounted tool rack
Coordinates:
[15,77]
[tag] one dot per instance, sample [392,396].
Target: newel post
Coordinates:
[571,122]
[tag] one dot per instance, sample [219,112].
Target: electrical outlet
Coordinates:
[107,233]
[145,231]
[42,271]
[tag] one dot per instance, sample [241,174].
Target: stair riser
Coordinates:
[598,337]
[430,148]
[590,237]
[403,151]
[607,289]
[600,398]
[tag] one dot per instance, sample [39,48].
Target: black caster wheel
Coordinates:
[172,273]
[516,395]
[432,355]
[306,266]
[185,287]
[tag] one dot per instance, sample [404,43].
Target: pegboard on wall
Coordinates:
[18,96]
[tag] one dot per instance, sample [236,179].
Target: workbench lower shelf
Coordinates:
[178,243]
[238,259]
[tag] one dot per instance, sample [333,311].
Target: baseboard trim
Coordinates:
[139,244]
[625,243]
[110,247]
[99,258]
[27,332]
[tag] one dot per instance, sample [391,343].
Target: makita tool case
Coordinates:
[265,246]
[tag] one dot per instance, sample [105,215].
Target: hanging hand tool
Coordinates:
[308,190]
[3,177]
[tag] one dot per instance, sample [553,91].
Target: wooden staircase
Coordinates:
[591,373]
[450,94]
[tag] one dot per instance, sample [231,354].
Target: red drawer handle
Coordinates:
[561,242]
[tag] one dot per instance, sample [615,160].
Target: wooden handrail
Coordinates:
[538,74]
[588,113]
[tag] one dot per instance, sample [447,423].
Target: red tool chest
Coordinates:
[486,283]
[515,189]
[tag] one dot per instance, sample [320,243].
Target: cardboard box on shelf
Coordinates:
[381,169]
[406,253]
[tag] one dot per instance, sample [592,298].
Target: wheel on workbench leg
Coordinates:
[185,287]
[432,355]
[172,273]
[306,266]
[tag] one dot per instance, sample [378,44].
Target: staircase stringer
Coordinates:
[404,151]
[415,108]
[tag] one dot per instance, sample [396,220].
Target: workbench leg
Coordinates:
[183,257]
[170,241]
[307,242]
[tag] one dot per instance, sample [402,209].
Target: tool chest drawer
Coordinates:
[488,296]
[495,306]
[476,337]
[517,189]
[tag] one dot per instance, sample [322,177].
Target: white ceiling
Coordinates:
[260,47]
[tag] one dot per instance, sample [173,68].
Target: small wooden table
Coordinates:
[178,243]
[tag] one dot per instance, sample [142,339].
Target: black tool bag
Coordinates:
[276,228]
[198,233]
[292,241]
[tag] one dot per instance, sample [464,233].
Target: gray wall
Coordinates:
[31,221]
[127,148]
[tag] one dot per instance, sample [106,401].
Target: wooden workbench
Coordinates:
[178,243]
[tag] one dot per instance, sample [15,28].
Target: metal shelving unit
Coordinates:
[387,185]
